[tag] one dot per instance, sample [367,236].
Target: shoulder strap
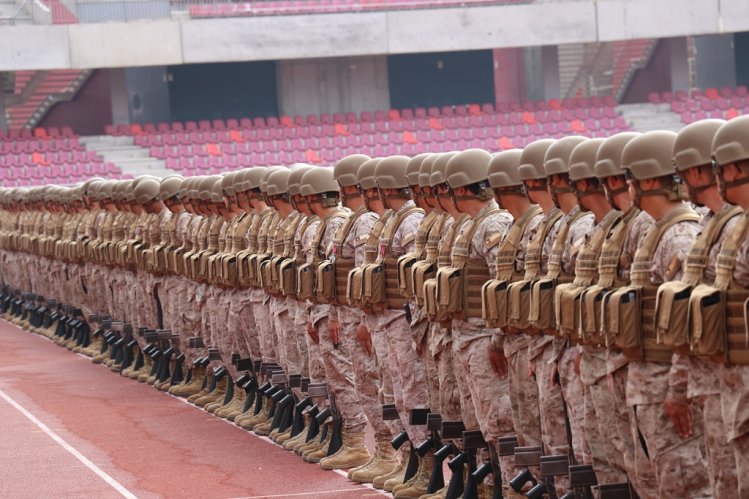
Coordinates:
[392,227]
[728,252]
[699,252]
[462,245]
[343,231]
[640,274]
[555,259]
[505,265]
[535,247]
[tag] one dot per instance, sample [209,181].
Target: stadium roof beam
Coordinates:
[177,41]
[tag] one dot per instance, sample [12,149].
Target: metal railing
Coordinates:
[94,11]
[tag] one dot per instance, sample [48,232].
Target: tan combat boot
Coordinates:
[259,418]
[234,407]
[216,395]
[385,461]
[192,387]
[395,477]
[352,453]
[316,454]
[417,486]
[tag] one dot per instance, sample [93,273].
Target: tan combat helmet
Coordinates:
[170,187]
[582,167]
[693,149]
[391,174]
[470,168]
[504,172]
[205,187]
[731,145]
[253,177]
[438,176]
[346,169]
[294,182]
[532,164]
[147,191]
[320,183]
[413,169]
[266,175]
[217,191]
[557,162]
[227,184]
[277,184]
[366,176]
[609,162]
[425,170]
[651,156]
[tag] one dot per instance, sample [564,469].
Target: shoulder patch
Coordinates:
[493,240]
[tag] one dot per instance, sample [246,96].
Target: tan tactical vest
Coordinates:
[629,313]
[337,265]
[355,286]
[459,285]
[494,293]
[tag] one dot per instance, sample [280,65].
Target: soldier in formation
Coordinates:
[567,318]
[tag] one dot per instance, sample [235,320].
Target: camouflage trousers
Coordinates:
[467,409]
[574,398]
[551,404]
[421,343]
[314,362]
[288,347]
[224,337]
[409,376]
[680,465]
[449,393]
[721,463]
[735,402]
[264,328]
[490,396]
[299,315]
[524,400]
[339,375]
[242,324]
[367,382]
[192,301]
[387,380]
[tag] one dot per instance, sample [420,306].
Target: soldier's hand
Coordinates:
[362,334]
[681,416]
[498,361]
[334,328]
[312,332]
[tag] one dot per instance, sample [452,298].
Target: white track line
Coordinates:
[319,493]
[83,459]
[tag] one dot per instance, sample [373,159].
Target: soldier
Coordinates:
[348,253]
[651,379]
[504,178]
[540,349]
[474,251]
[561,269]
[693,163]
[730,152]
[571,321]
[617,253]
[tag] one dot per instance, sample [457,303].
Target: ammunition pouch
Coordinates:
[325,289]
[287,277]
[229,271]
[590,316]
[567,310]
[519,307]
[495,303]
[629,317]
[421,272]
[374,293]
[305,282]
[672,313]
[449,292]
[355,289]
[709,312]
[541,308]
[405,266]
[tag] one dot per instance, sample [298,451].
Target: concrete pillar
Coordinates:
[714,61]
[119,99]
[681,79]
[509,75]
[3,122]
[148,94]
[139,95]
[542,72]
[550,61]
[335,85]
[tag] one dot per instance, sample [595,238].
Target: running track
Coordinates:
[71,429]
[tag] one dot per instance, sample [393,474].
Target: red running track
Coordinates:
[130,439]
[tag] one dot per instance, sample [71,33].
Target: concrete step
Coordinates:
[648,117]
[98,141]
